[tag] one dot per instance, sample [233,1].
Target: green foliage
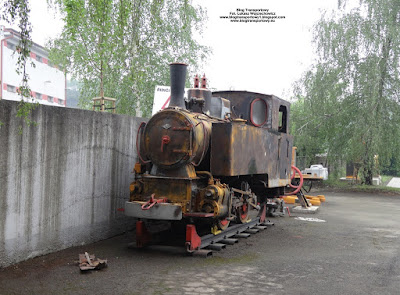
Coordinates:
[393,168]
[123,48]
[350,99]
[386,179]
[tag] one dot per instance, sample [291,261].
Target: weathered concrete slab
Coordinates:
[62,180]
[299,209]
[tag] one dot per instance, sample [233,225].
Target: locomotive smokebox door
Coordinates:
[175,138]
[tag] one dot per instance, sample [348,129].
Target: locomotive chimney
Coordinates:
[178,77]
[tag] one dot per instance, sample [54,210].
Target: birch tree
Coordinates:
[121,48]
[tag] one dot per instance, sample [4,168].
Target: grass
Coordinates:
[386,179]
[338,185]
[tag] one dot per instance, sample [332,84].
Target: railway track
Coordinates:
[204,245]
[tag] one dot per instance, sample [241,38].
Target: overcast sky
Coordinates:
[261,57]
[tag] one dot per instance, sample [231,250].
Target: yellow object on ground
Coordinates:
[320,197]
[315,202]
[289,199]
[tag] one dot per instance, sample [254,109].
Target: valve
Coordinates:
[164,140]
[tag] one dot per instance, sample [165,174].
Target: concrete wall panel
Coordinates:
[62,181]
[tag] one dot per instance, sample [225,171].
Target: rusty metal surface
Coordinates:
[309,177]
[174,138]
[241,102]
[251,146]
[241,149]
[176,191]
[199,99]
[202,101]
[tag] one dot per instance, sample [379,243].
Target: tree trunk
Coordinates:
[368,176]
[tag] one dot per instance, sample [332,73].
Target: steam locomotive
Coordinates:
[211,157]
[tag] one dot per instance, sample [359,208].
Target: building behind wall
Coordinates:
[47,81]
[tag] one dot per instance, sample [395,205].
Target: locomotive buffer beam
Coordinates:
[227,237]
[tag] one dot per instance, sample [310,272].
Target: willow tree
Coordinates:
[351,96]
[121,48]
[13,11]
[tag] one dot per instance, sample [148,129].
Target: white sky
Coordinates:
[260,57]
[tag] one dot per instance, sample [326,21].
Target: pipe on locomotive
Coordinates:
[178,78]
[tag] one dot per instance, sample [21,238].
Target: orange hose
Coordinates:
[296,187]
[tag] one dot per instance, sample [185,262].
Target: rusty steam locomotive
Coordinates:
[212,156]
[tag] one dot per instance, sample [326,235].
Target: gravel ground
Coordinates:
[353,249]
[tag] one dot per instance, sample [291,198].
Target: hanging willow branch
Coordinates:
[12,11]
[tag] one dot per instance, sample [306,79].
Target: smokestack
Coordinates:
[178,78]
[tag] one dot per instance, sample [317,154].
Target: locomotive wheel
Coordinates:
[223,224]
[242,213]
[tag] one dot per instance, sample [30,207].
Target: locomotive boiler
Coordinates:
[212,157]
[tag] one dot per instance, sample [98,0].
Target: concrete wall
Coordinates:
[62,181]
